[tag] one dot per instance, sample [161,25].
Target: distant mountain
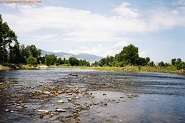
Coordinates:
[88,57]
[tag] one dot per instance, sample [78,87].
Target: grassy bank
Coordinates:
[8,66]
[169,69]
[4,67]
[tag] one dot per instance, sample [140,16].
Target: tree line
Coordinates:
[12,52]
[130,56]
[72,61]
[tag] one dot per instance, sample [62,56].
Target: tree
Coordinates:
[151,64]
[59,61]
[95,64]
[178,61]
[50,59]
[129,54]
[73,61]
[31,61]
[42,60]
[147,60]
[7,39]
[32,50]
[173,61]
[15,55]
[161,64]
[103,62]
[142,61]
[83,63]
[181,65]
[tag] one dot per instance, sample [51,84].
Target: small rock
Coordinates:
[43,111]
[73,74]
[92,96]
[41,116]
[46,92]
[51,115]
[70,94]
[77,98]
[129,96]
[60,110]
[60,101]
[69,99]
[7,110]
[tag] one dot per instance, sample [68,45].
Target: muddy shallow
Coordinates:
[80,95]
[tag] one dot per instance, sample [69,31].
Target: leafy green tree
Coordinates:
[83,63]
[73,61]
[181,66]
[151,64]
[32,50]
[42,60]
[173,61]
[7,39]
[59,61]
[31,61]
[103,62]
[147,59]
[178,61]
[95,64]
[15,55]
[50,59]
[66,61]
[142,61]
[161,64]
[129,55]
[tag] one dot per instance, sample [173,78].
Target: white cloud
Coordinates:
[98,50]
[143,54]
[83,25]
[125,11]
[164,19]
[101,50]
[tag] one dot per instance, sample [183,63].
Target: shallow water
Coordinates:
[116,96]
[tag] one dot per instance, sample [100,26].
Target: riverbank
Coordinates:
[4,67]
[169,69]
[20,66]
[8,66]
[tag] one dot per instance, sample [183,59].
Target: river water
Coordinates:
[109,96]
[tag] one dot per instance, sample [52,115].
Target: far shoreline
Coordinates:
[126,68]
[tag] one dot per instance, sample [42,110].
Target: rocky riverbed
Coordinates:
[72,97]
[55,102]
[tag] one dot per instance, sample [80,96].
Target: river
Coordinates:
[85,95]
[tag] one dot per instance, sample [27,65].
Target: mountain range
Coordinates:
[88,57]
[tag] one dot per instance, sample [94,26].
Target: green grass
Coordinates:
[170,69]
[107,68]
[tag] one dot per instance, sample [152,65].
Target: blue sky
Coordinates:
[101,27]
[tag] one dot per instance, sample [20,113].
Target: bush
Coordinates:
[31,61]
